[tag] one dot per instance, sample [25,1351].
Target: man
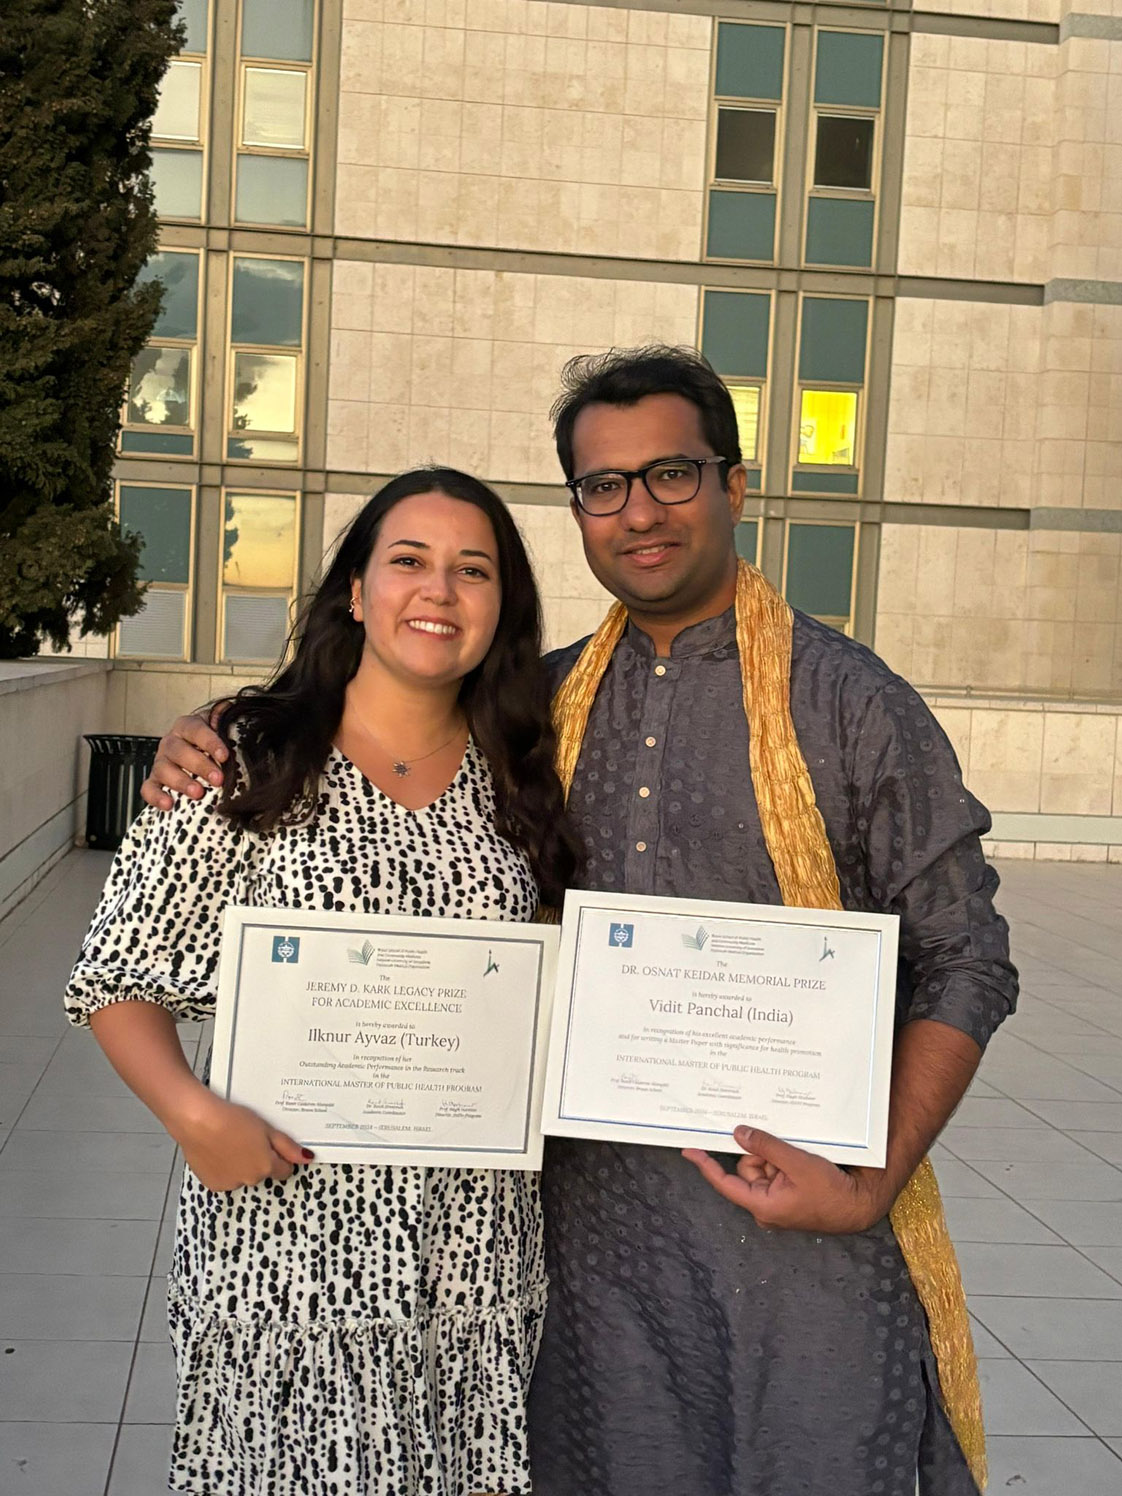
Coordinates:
[749,1330]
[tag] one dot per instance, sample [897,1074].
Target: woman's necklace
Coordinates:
[402,767]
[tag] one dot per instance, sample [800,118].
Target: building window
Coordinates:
[843,171]
[274,119]
[819,568]
[735,329]
[833,337]
[748,540]
[266,360]
[179,124]
[258,583]
[747,110]
[165,519]
[159,413]
[828,427]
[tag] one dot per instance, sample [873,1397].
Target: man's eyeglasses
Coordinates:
[673,480]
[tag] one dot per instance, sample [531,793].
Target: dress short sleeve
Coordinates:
[155,934]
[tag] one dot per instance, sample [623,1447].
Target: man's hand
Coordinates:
[227,1146]
[932,1065]
[787,1188]
[187,760]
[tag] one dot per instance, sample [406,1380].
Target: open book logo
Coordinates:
[696,942]
[362,957]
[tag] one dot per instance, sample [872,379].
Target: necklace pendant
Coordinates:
[401,768]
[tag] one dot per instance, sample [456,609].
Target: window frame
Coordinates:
[826,385]
[193,147]
[186,589]
[299,353]
[192,347]
[811,189]
[225,589]
[830,387]
[246,63]
[756,466]
[836,621]
[776,107]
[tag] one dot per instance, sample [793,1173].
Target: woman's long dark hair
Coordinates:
[284,729]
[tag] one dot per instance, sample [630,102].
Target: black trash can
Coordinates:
[119,763]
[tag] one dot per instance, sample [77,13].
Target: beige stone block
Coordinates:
[935,569]
[1000,166]
[388,438]
[908,407]
[923,171]
[981,471]
[919,240]
[944,457]
[911,337]
[347,422]
[951,327]
[894,641]
[905,458]
[996,252]
[1077,763]
[1093,664]
[958,240]
[957,722]
[349,376]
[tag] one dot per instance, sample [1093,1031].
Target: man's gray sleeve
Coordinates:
[921,829]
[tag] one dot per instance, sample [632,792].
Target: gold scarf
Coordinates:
[804,866]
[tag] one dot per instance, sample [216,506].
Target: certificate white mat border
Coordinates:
[240,918]
[556,1123]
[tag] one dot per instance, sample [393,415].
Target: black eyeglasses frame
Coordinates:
[574,484]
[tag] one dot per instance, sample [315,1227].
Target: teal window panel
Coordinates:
[748,539]
[281,30]
[839,231]
[160,443]
[193,14]
[179,276]
[741,225]
[272,189]
[734,333]
[803,481]
[163,517]
[820,569]
[750,61]
[849,69]
[268,303]
[832,345]
[177,180]
[752,480]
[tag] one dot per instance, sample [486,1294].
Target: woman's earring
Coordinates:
[351,609]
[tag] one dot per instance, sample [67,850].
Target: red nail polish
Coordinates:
[307,1152]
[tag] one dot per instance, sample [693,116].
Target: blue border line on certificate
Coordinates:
[403,1147]
[616,909]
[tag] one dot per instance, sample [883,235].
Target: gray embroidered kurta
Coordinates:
[688,1350]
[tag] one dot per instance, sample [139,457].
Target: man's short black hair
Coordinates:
[624,376]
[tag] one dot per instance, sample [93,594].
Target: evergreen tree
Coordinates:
[79,83]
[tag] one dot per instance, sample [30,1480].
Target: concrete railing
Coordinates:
[45,707]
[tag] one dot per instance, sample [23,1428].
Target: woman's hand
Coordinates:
[227,1146]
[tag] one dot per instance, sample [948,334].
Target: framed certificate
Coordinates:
[678,1019]
[375,1039]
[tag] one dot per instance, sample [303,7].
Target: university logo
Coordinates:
[286,948]
[621,936]
[361,957]
[696,942]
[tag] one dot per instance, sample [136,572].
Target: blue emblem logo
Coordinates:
[286,948]
[622,936]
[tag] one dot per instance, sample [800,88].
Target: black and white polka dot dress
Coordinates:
[356,1330]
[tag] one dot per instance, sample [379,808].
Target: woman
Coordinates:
[349,1330]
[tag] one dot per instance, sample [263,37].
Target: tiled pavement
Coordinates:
[1031,1167]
